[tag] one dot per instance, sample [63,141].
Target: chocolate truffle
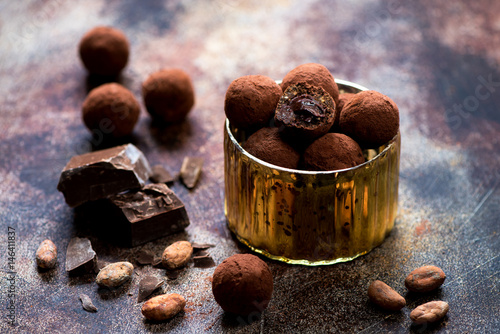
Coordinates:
[267,144]
[104,51]
[168,95]
[333,151]
[242,284]
[343,99]
[315,75]
[251,100]
[305,111]
[111,109]
[370,118]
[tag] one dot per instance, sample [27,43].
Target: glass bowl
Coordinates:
[309,217]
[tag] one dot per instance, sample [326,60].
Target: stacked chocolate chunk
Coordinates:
[306,123]
[117,178]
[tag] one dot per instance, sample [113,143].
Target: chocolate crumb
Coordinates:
[161,175]
[87,303]
[147,286]
[197,246]
[203,261]
[80,257]
[144,257]
[191,170]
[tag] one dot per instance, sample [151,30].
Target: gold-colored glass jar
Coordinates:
[309,217]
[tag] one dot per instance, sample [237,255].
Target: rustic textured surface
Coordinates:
[428,58]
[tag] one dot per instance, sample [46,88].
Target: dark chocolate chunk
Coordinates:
[100,174]
[305,111]
[147,286]
[161,175]
[173,274]
[197,246]
[80,257]
[147,214]
[157,262]
[203,261]
[87,303]
[144,257]
[191,170]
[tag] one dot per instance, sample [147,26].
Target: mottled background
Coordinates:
[432,58]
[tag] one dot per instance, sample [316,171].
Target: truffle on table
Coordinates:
[332,151]
[306,112]
[242,284]
[371,118]
[267,144]
[251,100]
[111,109]
[315,75]
[104,51]
[168,95]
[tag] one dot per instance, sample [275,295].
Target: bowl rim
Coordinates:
[389,145]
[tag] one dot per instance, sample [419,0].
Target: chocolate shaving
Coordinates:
[144,257]
[87,303]
[161,175]
[203,261]
[80,257]
[173,274]
[197,246]
[191,170]
[147,286]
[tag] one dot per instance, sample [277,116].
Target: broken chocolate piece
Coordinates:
[161,175]
[203,261]
[147,214]
[191,170]
[305,111]
[87,303]
[157,262]
[100,174]
[147,286]
[80,257]
[173,274]
[144,257]
[196,246]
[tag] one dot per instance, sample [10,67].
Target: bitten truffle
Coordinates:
[251,101]
[168,95]
[315,75]
[104,51]
[305,111]
[267,144]
[111,109]
[242,284]
[333,151]
[370,118]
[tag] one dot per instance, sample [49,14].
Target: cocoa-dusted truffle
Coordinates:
[251,100]
[168,95]
[371,118]
[111,109]
[343,99]
[242,284]
[333,151]
[305,111]
[104,51]
[267,144]
[315,75]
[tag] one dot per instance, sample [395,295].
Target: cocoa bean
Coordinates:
[46,255]
[429,312]
[425,279]
[385,296]
[163,307]
[177,255]
[115,274]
